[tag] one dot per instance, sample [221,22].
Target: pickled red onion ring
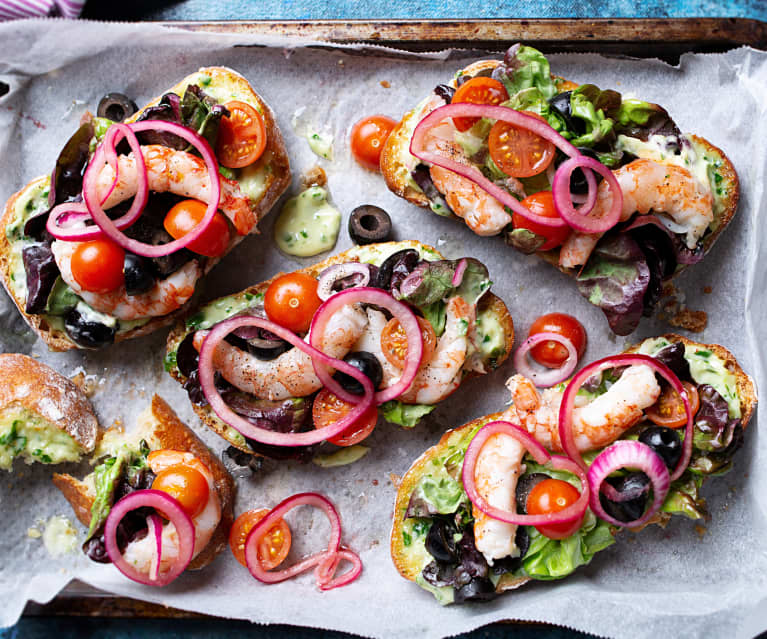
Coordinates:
[550,376]
[580,218]
[78,212]
[332,274]
[262,435]
[170,509]
[109,228]
[628,454]
[155,530]
[326,561]
[407,320]
[541,456]
[460,269]
[566,435]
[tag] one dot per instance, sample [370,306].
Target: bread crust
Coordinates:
[27,383]
[396,180]
[277,181]
[171,434]
[211,420]
[400,557]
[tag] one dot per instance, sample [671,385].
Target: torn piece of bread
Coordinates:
[44,417]
[161,429]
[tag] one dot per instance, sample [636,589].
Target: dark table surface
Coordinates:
[41,623]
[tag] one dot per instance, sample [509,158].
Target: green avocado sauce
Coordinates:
[308,224]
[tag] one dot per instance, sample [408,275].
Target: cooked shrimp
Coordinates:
[596,423]
[439,377]
[164,297]
[482,213]
[140,553]
[292,373]
[178,172]
[371,343]
[498,468]
[646,186]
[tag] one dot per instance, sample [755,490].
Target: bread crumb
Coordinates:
[375,482]
[707,290]
[385,84]
[315,176]
[694,321]
[396,480]
[34,533]
[701,530]
[88,384]
[340,63]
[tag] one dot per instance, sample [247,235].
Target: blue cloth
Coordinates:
[422,9]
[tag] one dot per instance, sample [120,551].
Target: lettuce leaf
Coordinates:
[527,67]
[432,495]
[407,415]
[548,559]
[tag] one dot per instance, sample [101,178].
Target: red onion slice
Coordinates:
[69,213]
[566,435]
[628,454]
[540,454]
[114,233]
[332,274]
[325,561]
[154,524]
[262,435]
[460,269]
[549,377]
[506,114]
[170,509]
[579,219]
[408,321]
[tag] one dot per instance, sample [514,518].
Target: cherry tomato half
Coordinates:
[272,547]
[241,136]
[328,409]
[97,265]
[291,301]
[368,138]
[394,342]
[478,91]
[186,215]
[553,496]
[187,485]
[550,353]
[519,152]
[669,409]
[542,203]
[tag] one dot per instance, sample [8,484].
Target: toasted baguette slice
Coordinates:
[160,427]
[44,417]
[410,564]
[273,166]
[397,163]
[488,302]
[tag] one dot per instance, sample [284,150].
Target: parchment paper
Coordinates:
[681,581]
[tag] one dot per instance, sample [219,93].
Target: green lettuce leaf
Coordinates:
[529,68]
[589,104]
[407,415]
[436,496]
[684,498]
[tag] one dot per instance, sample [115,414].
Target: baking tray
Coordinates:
[666,38]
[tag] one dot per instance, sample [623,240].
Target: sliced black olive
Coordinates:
[87,334]
[365,362]
[116,107]
[396,268]
[445,91]
[665,442]
[96,550]
[525,484]
[478,589]
[139,277]
[440,541]
[635,486]
[368,224]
